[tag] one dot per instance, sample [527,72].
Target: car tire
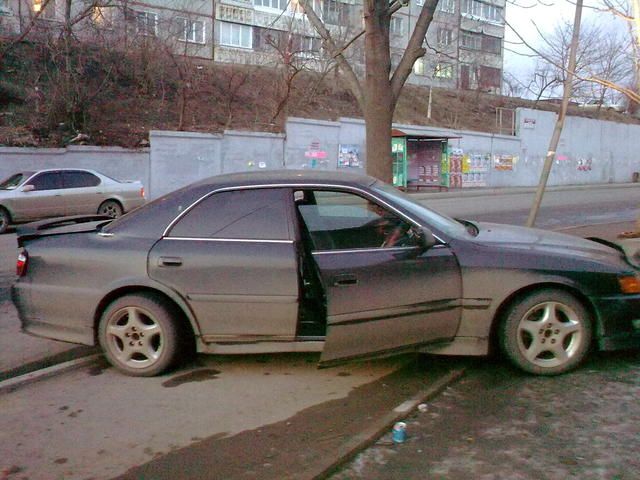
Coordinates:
[139,335]
[111,208]
[547,332]
[5,220]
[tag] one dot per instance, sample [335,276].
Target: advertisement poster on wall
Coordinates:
[504,162]
[349,156]
[316,156]
[475,167]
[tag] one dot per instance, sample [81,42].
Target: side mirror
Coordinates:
[427,240]
[28,188]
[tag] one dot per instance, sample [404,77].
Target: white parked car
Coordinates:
[34,195]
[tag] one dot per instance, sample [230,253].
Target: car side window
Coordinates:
[252,214]
[47,181]
[79,179]
[343,221]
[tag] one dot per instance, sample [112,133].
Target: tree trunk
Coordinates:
[379,101]
[557,131]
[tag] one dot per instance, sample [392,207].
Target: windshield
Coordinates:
[14,180]
[431,218]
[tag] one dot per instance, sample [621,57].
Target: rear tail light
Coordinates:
[142,192]
[21,264]
[629,284]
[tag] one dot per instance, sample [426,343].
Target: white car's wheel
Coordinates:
[110,208]
[139,335]
[547,332]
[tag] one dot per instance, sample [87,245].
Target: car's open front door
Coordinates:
[387,302]
[385,293]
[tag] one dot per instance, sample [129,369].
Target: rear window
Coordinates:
[79,179]
[255,214]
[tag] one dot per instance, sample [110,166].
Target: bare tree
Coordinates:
[378,94]
[557,131]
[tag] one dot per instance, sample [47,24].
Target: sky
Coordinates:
[546,14]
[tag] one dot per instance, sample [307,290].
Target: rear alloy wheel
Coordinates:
[547,333]
[110,208]
[139,336]
[5,220]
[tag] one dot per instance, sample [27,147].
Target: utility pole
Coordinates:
[555,138]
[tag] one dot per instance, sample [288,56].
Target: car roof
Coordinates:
[65,169]
[287,177]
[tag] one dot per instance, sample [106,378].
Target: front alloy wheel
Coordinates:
[547,333]
[138,335]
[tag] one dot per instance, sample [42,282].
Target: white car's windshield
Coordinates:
[14,180]
[437,220]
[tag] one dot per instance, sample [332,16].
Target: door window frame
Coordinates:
[369,198]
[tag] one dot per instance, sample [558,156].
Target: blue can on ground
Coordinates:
[399,432]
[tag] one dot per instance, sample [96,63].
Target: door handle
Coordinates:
[345,280]
[170,261]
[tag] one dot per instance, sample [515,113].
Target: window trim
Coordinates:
[187,27]
[231,26]
[398,31]
[146,13]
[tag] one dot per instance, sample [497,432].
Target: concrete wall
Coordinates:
[119,163]
[180,158]
[590,151]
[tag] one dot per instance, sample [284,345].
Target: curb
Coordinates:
[491,191]
[72,354]
[14,383]
[379,427]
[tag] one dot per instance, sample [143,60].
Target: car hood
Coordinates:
[511,236]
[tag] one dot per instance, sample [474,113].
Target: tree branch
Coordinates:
[414,49]
[350,76]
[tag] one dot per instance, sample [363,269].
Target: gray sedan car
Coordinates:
[310,261]
[28,196]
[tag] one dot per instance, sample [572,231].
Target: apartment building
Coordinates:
[464,42]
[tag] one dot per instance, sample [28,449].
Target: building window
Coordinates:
[490,78]
[4,6]
[447,6]
[397,26]
[330,11]
[274,4]
[445,36]
[420,67]
[471,40]
[491,44]
[235,35]
[190,30]
[146,23]
[482,11]
[48,10]
[102,16]
[443,70]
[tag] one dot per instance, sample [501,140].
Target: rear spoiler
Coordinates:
[32,230]
[630,248]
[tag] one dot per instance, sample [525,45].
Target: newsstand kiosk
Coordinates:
[422,161]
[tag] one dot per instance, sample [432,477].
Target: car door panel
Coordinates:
[385,292]
[233,258]
[83,192]
[45,201]
[388,300]
[240,289]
